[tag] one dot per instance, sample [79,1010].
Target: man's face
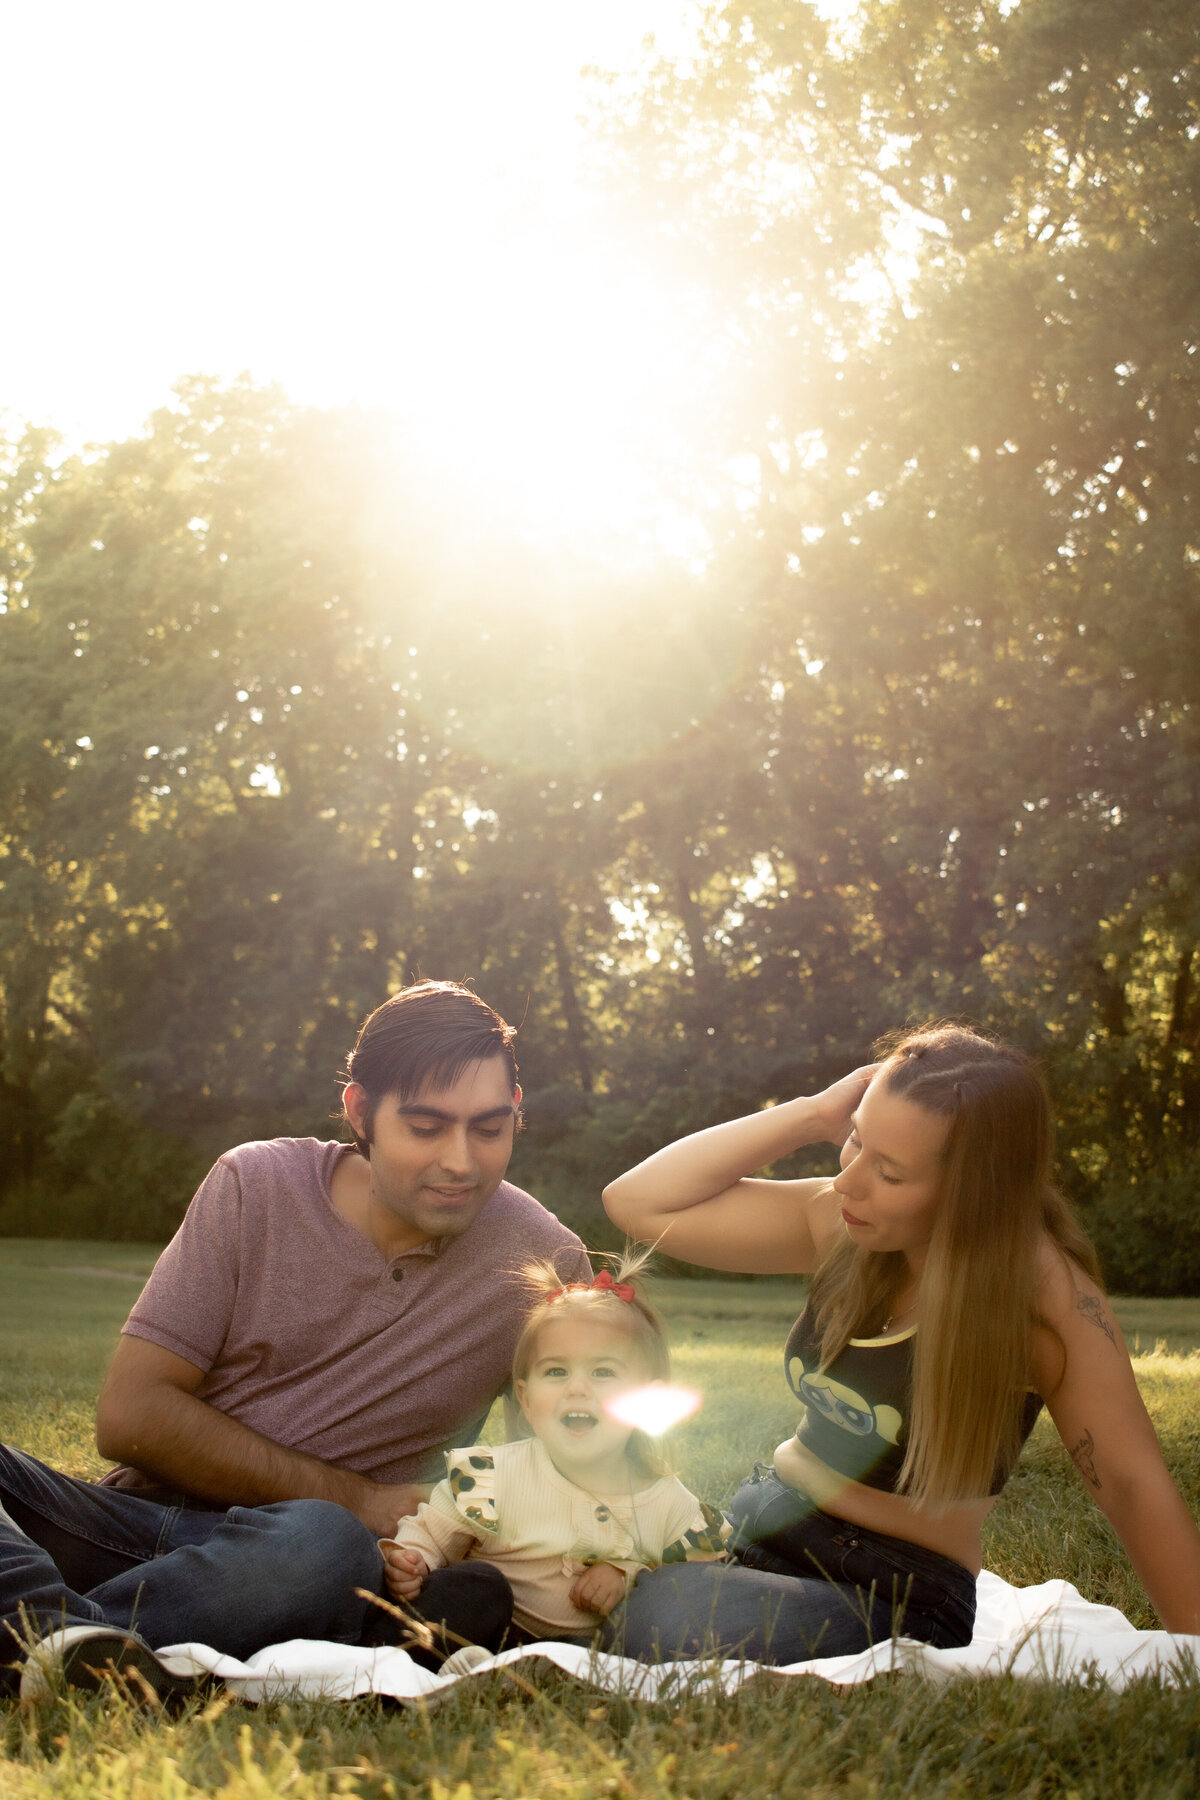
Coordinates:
[438,1158]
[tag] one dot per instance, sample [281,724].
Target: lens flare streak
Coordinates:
[656,1408]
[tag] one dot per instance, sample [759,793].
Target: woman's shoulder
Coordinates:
[1060,1281]
[1073,1317]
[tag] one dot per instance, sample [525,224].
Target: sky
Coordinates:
[374,200]
[326,195]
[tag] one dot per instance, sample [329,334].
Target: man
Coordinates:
[327,1320]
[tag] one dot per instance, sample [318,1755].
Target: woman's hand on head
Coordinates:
[838,1104]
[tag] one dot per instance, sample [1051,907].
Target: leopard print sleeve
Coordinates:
[704,1540]
[471,1478]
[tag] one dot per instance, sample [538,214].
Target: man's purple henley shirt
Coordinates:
[311,1336]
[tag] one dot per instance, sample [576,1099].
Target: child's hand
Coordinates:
[404,1571]
[598,1589]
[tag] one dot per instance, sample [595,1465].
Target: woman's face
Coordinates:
[891,1173]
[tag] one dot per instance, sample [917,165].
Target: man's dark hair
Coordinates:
[427,1034]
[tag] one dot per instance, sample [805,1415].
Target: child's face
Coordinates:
[580,1366]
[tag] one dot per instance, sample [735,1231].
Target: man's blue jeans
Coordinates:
[75,1554]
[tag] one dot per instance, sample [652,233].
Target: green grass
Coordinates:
[58,1325]
[61,1305]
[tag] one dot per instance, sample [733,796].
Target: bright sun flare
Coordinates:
[656,1408]
[546,379]
[391,209]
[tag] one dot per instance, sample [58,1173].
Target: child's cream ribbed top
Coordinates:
[508,1505]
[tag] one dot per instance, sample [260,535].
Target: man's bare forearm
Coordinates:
[190,1445]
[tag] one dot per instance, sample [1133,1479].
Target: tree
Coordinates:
[956,254]
[212,779]
[279,729]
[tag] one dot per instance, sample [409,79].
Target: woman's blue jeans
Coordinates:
[803,1584]
[75,1554]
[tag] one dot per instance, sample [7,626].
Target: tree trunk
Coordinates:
[572,1011]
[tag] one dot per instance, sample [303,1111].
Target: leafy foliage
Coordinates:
[278,729]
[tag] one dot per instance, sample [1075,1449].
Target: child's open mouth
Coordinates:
[579,1421]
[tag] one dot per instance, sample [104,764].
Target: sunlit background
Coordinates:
[382,202]
[666,560]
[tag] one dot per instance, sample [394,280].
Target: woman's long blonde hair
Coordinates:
[996,1204]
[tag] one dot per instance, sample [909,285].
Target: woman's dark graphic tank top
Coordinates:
[857,1410]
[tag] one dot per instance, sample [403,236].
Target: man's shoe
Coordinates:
[98,1658]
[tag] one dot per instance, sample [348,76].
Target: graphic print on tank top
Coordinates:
[855,1410]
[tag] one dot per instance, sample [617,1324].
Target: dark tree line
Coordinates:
[922,738]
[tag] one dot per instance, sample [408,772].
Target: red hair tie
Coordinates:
[620,1290]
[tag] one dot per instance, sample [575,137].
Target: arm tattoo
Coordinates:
[1081,1456]
[1093,1312]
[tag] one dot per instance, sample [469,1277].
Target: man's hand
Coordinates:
[379,1505]
[404,1571]
[838,1102]
[598,1589]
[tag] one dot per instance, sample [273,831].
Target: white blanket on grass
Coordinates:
[1048,1632]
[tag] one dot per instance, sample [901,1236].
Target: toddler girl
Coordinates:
[574,1512]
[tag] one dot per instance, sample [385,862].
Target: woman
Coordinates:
[953,1295]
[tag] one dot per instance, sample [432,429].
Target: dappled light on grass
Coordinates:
[656,1408]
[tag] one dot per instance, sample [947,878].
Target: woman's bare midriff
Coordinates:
[954,1533]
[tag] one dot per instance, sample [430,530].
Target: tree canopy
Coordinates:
[278,730]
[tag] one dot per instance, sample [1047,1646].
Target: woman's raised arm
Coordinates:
[1082,1368]
[698,1198]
